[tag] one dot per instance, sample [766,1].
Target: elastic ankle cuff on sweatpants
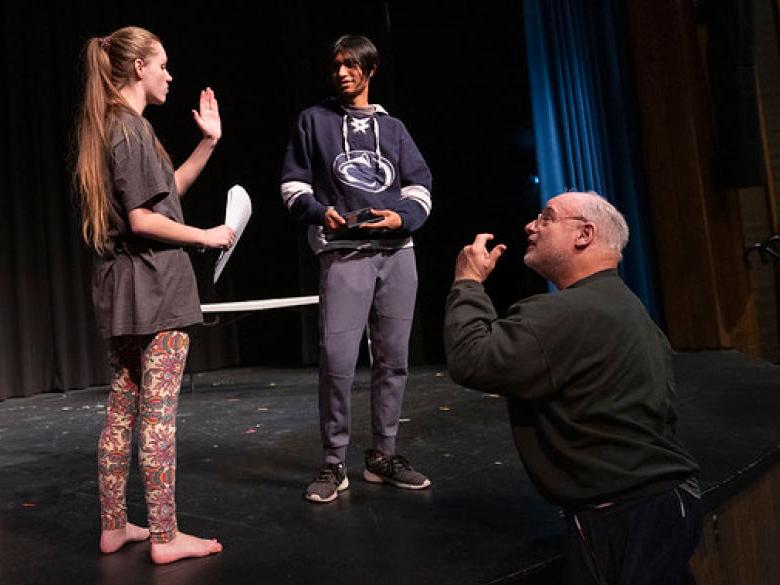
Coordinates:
[336,455]
[385,445]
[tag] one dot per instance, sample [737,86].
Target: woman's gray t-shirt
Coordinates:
[141,286]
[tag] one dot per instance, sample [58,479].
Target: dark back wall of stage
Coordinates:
[456,76]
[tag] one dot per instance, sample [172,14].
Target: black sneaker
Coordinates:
[331,480]
[394,470]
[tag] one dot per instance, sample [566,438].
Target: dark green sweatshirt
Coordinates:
[589,382]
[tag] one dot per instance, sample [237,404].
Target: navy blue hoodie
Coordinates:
[351,159]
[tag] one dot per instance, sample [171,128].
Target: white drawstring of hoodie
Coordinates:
[345,134]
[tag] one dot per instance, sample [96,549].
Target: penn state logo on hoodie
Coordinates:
[363,169]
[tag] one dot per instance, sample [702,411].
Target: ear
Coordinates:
[371,73]
[138,67]
[585,236]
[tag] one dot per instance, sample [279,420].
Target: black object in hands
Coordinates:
[359,217]
[353,220]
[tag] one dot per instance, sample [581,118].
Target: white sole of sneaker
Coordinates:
[318,500]
[374,478]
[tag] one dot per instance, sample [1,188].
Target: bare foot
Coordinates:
[184,546]
[112,540]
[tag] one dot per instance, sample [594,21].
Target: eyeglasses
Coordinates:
[545,218]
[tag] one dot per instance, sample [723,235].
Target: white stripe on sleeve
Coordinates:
[419,194]
[291,190]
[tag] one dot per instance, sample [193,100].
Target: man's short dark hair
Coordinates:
[360,48]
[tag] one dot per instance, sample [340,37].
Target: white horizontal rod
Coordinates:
[259,305]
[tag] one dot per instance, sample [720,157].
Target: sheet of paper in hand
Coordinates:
[237,214]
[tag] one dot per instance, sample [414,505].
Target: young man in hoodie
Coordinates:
[353,174]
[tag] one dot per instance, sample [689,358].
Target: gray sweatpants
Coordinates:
[357,287]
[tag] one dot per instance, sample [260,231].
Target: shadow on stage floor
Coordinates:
[249,443]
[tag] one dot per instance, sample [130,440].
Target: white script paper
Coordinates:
[237,214]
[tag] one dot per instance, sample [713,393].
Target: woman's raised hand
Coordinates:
[207,115]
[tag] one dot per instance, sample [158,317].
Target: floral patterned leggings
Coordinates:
[146,374]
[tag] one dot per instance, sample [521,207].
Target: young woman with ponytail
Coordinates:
[144,288]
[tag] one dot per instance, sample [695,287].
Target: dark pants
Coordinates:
[644,541]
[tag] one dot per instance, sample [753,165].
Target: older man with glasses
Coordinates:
[590,389]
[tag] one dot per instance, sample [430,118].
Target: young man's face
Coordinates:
[350,81]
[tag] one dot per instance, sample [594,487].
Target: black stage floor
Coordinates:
[249,443]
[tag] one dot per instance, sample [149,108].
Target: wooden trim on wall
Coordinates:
[697,224]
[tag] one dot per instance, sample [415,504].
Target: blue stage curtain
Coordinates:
[585,119]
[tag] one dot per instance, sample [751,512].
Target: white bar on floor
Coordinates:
[259,305]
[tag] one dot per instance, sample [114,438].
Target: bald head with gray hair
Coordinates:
[609,222]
